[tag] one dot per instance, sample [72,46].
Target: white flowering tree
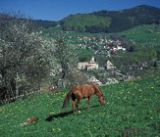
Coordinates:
[22,54]
[66,57]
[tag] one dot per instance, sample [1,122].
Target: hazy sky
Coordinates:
[57,9]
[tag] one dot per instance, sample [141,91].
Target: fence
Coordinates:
[5,101]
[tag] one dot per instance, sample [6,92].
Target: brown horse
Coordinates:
[84,91]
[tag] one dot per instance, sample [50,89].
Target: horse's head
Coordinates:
[102,99]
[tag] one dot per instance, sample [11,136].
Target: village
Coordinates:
[108,48]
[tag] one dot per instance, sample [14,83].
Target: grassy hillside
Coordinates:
[132,109]
[145,35]
[146,49]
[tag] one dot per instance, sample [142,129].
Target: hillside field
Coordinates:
[132,110]
[144,35]
[104,47]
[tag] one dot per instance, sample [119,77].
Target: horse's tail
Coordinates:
[66,100]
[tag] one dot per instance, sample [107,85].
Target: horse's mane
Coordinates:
[96,87]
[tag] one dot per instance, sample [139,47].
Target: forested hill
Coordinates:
[112,21]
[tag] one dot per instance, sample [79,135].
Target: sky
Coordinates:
[58,9]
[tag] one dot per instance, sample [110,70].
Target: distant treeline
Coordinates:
[34,25]
[112,21]
[86,23]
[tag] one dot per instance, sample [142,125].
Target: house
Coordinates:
[109,66]
[82,65]
[92,66]
[88,65]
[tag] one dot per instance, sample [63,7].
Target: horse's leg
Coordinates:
[78,101]
[74,105]
[88,102]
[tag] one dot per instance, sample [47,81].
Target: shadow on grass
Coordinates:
[64,114]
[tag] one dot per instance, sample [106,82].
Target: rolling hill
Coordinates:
[112,21]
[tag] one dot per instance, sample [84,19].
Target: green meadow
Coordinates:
[132,110]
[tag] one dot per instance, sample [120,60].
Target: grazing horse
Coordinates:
[84,91]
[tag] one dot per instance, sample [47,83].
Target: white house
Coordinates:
[109,65]
[88,65]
